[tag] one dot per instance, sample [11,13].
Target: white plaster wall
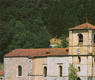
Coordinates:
[83,70]
[11,68]
[84,65]
[53,64]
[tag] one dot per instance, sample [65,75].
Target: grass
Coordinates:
[1,66]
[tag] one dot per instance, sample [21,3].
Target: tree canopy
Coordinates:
[58,15]
[19,18]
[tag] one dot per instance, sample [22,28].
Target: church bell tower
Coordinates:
[82,39]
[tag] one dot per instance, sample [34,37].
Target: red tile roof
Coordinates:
[1,73]
[83,26]
[37,52]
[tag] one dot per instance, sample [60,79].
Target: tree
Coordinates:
[3,41]
[64,42]
[29,39]
[72,73]
[41,38]
[56,15]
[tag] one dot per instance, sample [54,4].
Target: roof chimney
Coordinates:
[47,52]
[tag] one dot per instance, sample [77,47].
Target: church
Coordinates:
[53,63]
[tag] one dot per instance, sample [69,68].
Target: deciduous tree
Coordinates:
[72,72]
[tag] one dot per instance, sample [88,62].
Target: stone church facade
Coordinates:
[53,63]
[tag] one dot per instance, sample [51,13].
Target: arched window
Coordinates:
[60,71]
[94,59]
[78,78]
[94,38]
[80,36]
[45,71]
[79,59]
[19,71]
[79,69]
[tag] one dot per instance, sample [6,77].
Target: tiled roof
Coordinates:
[37,52]
[83,26]
[1,73]
[55,41]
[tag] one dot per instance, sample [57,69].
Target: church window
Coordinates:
[60,71]
[94,59]
[19,71]
[45,71]
[78,78]
[94,38]
[79,69]
[79,59]
[80,36]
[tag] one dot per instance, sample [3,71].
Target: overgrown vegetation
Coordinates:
[64,43]
[72,72]
[19,18]
[1,66]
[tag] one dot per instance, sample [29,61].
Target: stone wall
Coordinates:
[86,47]
[38,65]
[11,68]
[33,69]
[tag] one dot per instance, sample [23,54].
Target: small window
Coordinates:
[79,69]
[19,71]
[78,78]
[60,71]
[94,59]
[80,36]
[78,51]
[94,38]
[79,59]
[45,71]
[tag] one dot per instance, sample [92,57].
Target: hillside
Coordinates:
[19,18]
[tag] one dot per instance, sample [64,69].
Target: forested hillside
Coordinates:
[31,23]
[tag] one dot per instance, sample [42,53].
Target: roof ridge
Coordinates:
[37,52]
[83,26]
[39,48]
